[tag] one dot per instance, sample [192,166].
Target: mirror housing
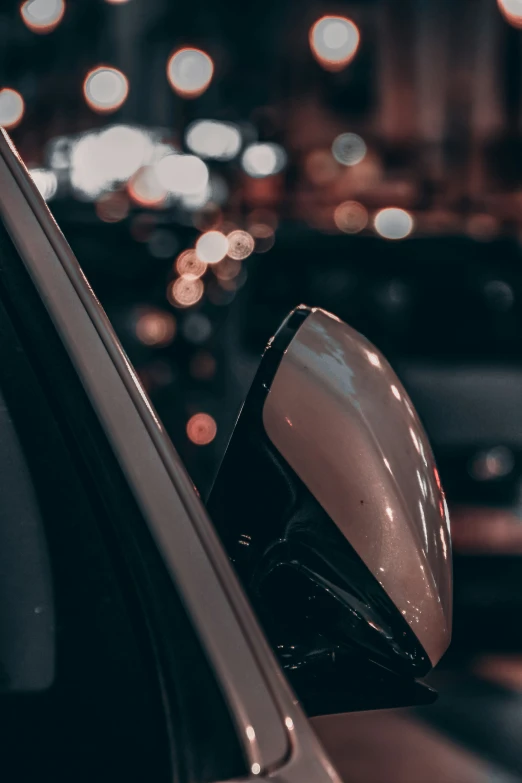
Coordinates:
[329,504]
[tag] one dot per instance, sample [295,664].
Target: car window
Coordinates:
[101,674]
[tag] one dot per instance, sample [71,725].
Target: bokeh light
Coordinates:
[189,266]
[162,243]
[184,292]
[482,227]
[211,247]
[393,223]
[263,160]
[105,89]
[155,328]
[58,152]
[190,72]
[116,2]
[12,108]
[46,182]
[203,366]
[334,41]
[264,217]
[227,269]
[87,170]
[349,149]
[211,139]
[145,189]
[264,236]
[494,463]
[123,150]
[196,328]
[42,16]
[99,160]
[351,217]
[112,207]
[198,199]
[499,295]
[321,167]
[512,11]
[184,175]
[240,244]
[201,429]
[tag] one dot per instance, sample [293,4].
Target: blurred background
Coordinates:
[215,163]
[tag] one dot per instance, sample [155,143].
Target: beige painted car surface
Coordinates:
[355,441]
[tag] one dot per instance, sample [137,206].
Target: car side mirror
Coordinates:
[329,504]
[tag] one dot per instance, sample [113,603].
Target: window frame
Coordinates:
[273,731]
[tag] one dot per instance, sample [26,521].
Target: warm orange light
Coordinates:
[105,89]
[227,269]
[201,429]
[211,247]
[511,10]
[42,16]
[184,292]
[482,226]
[437,478]
[321,167]
[144,188]
[189,266]
[264,236]
[263,216]
[112,207]
[190,72]
[334,41]
[351,217]
[240,244]
[155,328]
[12,108]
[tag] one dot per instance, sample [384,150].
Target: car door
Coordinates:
[152,606]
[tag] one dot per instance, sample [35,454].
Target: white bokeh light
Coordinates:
[46,182]
[190,72]
[122,150]
[42,16]
[212,139]
[12,108]
[349,149]
[100,160]
[87,172]
[263,160]
[334,41]
[145,190]
[211,247]
[105,89]
[197,200]
[512,10]
[183,175]
[58,153]
[393,223]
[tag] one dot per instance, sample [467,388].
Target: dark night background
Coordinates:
[297,124]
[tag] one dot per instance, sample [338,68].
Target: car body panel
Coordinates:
[356,442]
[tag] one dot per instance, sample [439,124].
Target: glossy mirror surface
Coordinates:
[356,442]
